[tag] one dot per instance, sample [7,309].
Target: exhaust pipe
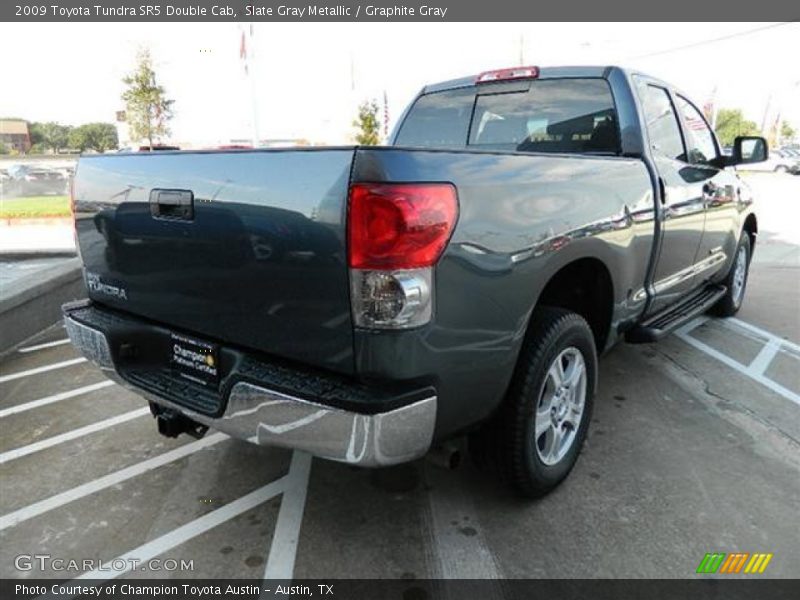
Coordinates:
[171,423]
[446,456]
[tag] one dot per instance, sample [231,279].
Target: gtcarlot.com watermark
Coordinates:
[47,562]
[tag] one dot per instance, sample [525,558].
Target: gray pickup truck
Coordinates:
[369,304]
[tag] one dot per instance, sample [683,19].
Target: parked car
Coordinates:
[146,148]
[27,180]
[157,148]
[779,161]
[792,154]
[368,304]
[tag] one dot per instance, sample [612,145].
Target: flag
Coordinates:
[710,109]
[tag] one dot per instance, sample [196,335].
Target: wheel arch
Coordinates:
[584,286]
[750,227]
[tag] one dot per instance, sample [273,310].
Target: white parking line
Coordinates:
[96,485]
[733,322]
[755,370]
[43,346]
[13,410]
[190,530]
[761,362]
[283,551]
[37,370]
[71,435]
[457,556]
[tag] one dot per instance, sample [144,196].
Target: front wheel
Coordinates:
[736,281]
[535,438]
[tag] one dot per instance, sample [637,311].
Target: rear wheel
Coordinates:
[736,281]
[535,439]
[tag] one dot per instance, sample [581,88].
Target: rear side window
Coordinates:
[438,120]
[558,115]
[662,122]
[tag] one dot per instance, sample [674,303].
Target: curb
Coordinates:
[35,303]
[28,254]
[36,222]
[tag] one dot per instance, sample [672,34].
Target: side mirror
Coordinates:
[749,149]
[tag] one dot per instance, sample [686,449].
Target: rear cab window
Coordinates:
[553,115]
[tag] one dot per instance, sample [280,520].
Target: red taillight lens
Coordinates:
[399,226]
[72,197]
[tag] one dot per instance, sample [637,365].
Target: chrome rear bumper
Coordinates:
[272,418]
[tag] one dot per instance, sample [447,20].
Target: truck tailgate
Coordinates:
[246,248]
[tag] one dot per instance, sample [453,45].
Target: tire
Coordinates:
[533,464]
[781,169]
[735,281]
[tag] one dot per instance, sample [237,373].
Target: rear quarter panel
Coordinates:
[521,219]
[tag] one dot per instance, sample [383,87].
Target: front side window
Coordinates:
[700,145]
[661,122]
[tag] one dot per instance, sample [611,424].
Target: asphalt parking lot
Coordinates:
[694,448]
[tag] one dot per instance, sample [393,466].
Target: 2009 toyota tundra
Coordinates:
[367,303]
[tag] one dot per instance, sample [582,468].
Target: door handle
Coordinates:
[172,204]
[709,194]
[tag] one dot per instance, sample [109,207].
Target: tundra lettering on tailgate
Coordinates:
[95,284]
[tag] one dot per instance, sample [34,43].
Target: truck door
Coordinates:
[683,208]
[720,189]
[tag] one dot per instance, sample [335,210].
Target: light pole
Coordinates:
[779,118]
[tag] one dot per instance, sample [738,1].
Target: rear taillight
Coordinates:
[396,234]
[399,226]
[72,197]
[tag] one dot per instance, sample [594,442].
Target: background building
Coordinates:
[14,135]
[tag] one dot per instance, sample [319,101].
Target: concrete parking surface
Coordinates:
[693,448]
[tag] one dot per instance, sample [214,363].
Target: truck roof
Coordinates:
[544,73]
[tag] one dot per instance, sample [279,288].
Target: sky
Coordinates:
[306,79]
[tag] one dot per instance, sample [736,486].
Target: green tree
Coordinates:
[731,123]
[367,124]
[94,136]
[787,131]
[3,149]
[49,136]
[148,110]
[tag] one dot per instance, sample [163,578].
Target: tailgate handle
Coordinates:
[172,204]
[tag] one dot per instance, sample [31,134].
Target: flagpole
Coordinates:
[385,117]
[251,58]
